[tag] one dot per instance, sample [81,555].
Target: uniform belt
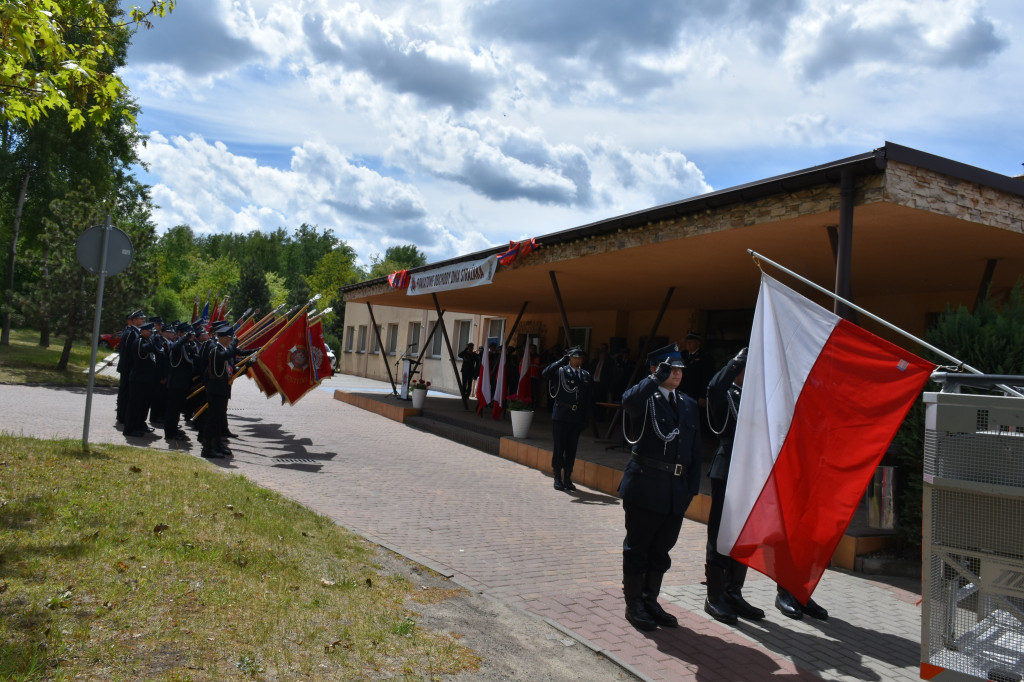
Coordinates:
[674,469]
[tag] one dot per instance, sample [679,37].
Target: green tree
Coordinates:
[278,291]
[252,290]
[55,54]
[42,158]
[990,339]
[63,294]
[396,258]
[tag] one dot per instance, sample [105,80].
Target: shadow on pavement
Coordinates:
[713,658]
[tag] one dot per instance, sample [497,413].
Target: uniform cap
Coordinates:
[137,313]
[694,336]
[669,354]
[574,352]
[147,325]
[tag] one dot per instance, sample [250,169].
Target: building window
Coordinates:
[463,328]
[392,340]
[413,344]
[437,340]
[350,334]
[375,341]
[496,331]
[362,338]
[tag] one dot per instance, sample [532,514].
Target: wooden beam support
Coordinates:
[383,350]
[561,308]
[451,355]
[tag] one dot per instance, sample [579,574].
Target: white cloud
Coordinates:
[462,125]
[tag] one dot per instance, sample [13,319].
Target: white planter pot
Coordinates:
[521,421]
[419,395]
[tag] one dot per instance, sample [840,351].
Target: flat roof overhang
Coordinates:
[896,250]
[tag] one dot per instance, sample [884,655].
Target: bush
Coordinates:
[991,339]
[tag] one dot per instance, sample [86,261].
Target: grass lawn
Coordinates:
[134,564]
[26,362]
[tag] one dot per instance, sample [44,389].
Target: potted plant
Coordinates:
[520,409]
[419,392]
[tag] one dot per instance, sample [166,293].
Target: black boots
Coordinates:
[636,611]
[716,605]
[652,587]
[567,480]
[786,603]
[736,574]
[209,451]
[558,480]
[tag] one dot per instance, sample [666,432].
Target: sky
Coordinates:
[458,126]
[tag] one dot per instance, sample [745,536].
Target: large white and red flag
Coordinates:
[524,390]
[822,400]
[483,382]
[500,382]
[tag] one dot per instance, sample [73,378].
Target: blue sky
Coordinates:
[460,125]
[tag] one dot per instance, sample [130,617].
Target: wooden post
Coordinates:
[451,355]
[383,351]
[561,308]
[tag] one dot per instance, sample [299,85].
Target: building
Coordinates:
[900,232]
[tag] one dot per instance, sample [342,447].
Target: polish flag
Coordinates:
[525,387]
[483,382]
[822,400]
[498,403]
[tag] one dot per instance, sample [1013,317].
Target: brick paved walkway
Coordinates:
[499,528]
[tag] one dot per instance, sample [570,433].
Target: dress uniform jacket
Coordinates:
[222,367]
[723,398]
[124,358]
[572,392]
[144,368]
[662,476]
[181,359]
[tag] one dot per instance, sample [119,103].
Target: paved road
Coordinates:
[499,528]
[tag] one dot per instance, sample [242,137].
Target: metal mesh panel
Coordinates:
[974,535]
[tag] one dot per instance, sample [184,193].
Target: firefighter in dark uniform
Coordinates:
[142,379]
[570,391]
[221,359]
[725,575]
[181,360]
[161,340]
[124,364]
[658,484]
[209,340]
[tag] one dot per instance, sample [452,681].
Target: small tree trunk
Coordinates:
[65,356]
[44,336]
[5,335]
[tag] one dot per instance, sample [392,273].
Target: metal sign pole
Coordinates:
[96,332]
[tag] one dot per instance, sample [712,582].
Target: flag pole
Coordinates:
[888,325]
[249,359]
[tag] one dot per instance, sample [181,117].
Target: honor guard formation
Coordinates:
[183,372]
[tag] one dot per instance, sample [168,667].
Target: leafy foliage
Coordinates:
[991,339]
[55,56]
[396,258]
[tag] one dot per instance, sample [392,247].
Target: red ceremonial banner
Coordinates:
[321,364]
[262,379]
[287,360]
[258,339]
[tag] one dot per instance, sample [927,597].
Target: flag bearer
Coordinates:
[725,575]
[658,484]
[221,359]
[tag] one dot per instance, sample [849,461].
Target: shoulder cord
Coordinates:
[213,364]
[138,349]
[732,411]
[649,411]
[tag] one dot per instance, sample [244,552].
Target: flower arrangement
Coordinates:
[419,385]
[519,404]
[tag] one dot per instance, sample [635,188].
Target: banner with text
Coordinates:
[457,276]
